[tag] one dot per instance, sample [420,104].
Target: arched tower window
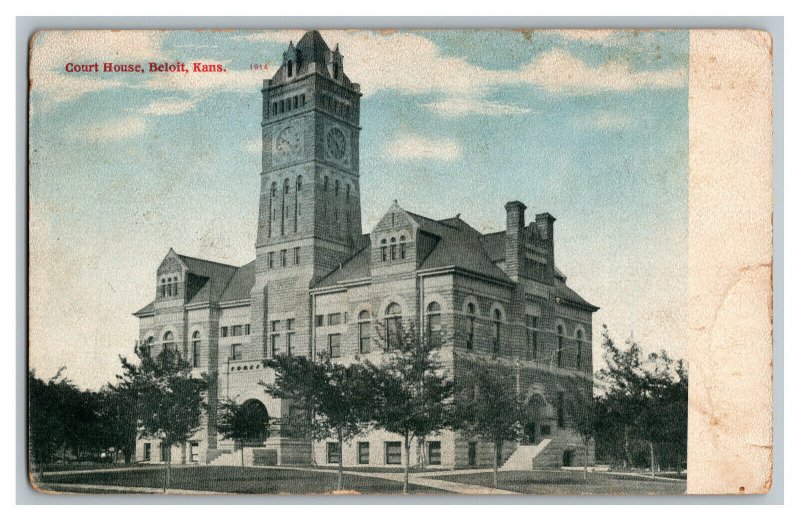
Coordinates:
[364,337]
[299,183]
[498,321]
[383,250]
[393,248]
[471,311]
[169,286]
[274,189]
[175,286]
[289,69]
[285,186]
[162,288]
[560,344]
[434,323]
[393,326]
[336,71]
[196,349]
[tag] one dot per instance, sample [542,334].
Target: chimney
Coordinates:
[515,247]
[544,223]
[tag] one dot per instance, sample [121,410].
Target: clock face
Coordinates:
[336,143]
[288,142]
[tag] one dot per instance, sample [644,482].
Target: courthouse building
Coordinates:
[318,282]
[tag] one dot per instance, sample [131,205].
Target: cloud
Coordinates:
[454,107]
[52,50]
[113,130]
[169,106]
[606,121]
[409,147]
[253,146]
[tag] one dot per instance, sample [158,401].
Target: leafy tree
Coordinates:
[336,399]
[414,391]
[242,422]
[487,406]
[119,412]
[647,395]
[170,401]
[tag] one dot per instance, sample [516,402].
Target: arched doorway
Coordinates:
[538,416]
[254,414]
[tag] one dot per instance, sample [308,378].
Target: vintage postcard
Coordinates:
[400,262]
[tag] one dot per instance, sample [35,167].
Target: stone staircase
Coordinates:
[524,456]
[547,454]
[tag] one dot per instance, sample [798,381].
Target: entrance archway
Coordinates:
[538,416]
[254,413]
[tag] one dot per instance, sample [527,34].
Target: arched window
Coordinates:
[175,286]
[383,250]
[579,342]
[402,246]
[295,102]
[393,248]
[498,321]
[336,71]
[325,183]
[196,349]
[169,286]
[336,187]
[147,347]
[274,107]
[289,69]
[393,326]
[168,340]
[471,325]
[299,183]
[364,337]
[285,186]
[282,106]
[162,288]
[434,323]
[274,190]
[560,346]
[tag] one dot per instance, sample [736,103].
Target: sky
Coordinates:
[591,126]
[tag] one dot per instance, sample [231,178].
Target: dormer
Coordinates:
[393,240]
[170,278]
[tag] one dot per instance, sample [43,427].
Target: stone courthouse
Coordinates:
[318,283]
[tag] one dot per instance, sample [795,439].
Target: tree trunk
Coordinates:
[497,448]
[586,461]
[340,470]
[408,462]
[242,450]
[652,460]
[167,469]
[625,454]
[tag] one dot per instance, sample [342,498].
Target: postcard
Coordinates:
[470,262]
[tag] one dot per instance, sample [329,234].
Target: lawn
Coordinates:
[558,482]
[236,480]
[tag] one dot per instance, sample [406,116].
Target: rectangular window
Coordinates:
[363,453]
[531,323]
[283,258]
[334,319]
[271,260]
[333,452]
[247,329]
[434,453]
[394,453]
[470,333]
[289,336]
[236,351]
[560,398]
[224,331]
[194,451]
[148,452]
[319,320]
[297,255]
[236,330]
[196,354]
[334,348]
[364,338]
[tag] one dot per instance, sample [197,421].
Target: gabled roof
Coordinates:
[240,284]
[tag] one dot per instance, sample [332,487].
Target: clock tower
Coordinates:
[309,208]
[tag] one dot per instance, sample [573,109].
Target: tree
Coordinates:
[487,406]
[581,410]
[646,394]
[414,391]
[242,422]
[336,399]
[119,413]
[170,400]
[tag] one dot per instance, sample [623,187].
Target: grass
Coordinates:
[236,480]
[568,483]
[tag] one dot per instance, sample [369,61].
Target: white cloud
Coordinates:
[51,51]
[454,107]
[407,147]
[253,146]
[113,130]
[169,106]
